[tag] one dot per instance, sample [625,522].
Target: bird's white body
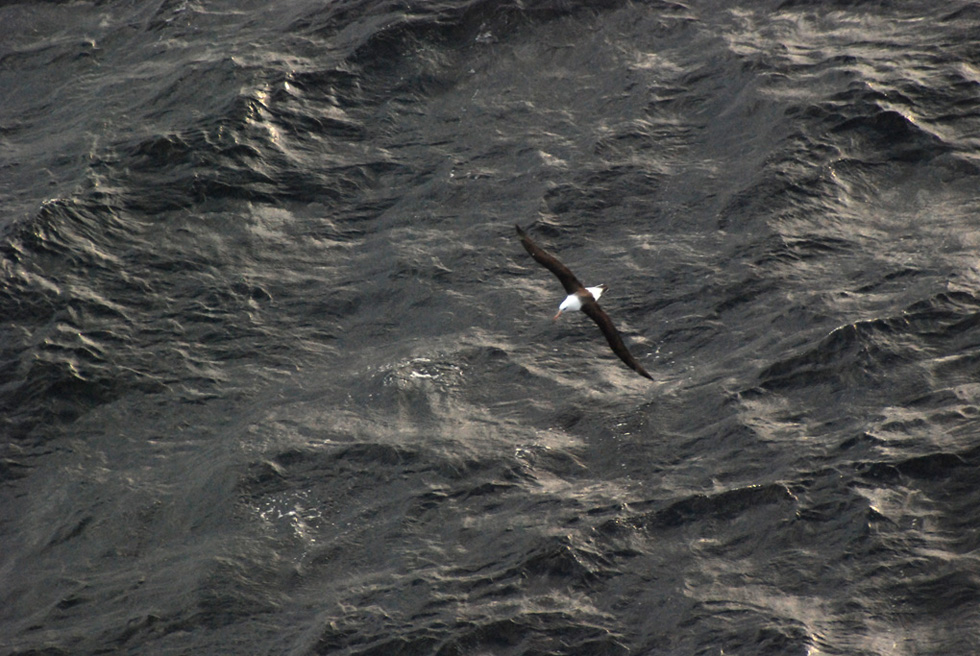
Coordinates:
[574,301]
[596,291]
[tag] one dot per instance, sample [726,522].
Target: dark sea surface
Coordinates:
[277,377]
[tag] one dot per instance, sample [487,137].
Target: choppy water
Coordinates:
[276,376]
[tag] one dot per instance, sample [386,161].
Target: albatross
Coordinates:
[582,298]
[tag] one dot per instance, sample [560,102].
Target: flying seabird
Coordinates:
[582,298]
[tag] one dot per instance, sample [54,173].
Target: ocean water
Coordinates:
[276,376]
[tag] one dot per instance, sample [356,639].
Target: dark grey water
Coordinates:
[276,376]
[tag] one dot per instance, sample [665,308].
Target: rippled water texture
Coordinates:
[276,376]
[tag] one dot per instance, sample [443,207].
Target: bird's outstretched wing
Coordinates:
[591,308]
[550,262]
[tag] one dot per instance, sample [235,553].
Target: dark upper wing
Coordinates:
[591,308]
[550,262]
